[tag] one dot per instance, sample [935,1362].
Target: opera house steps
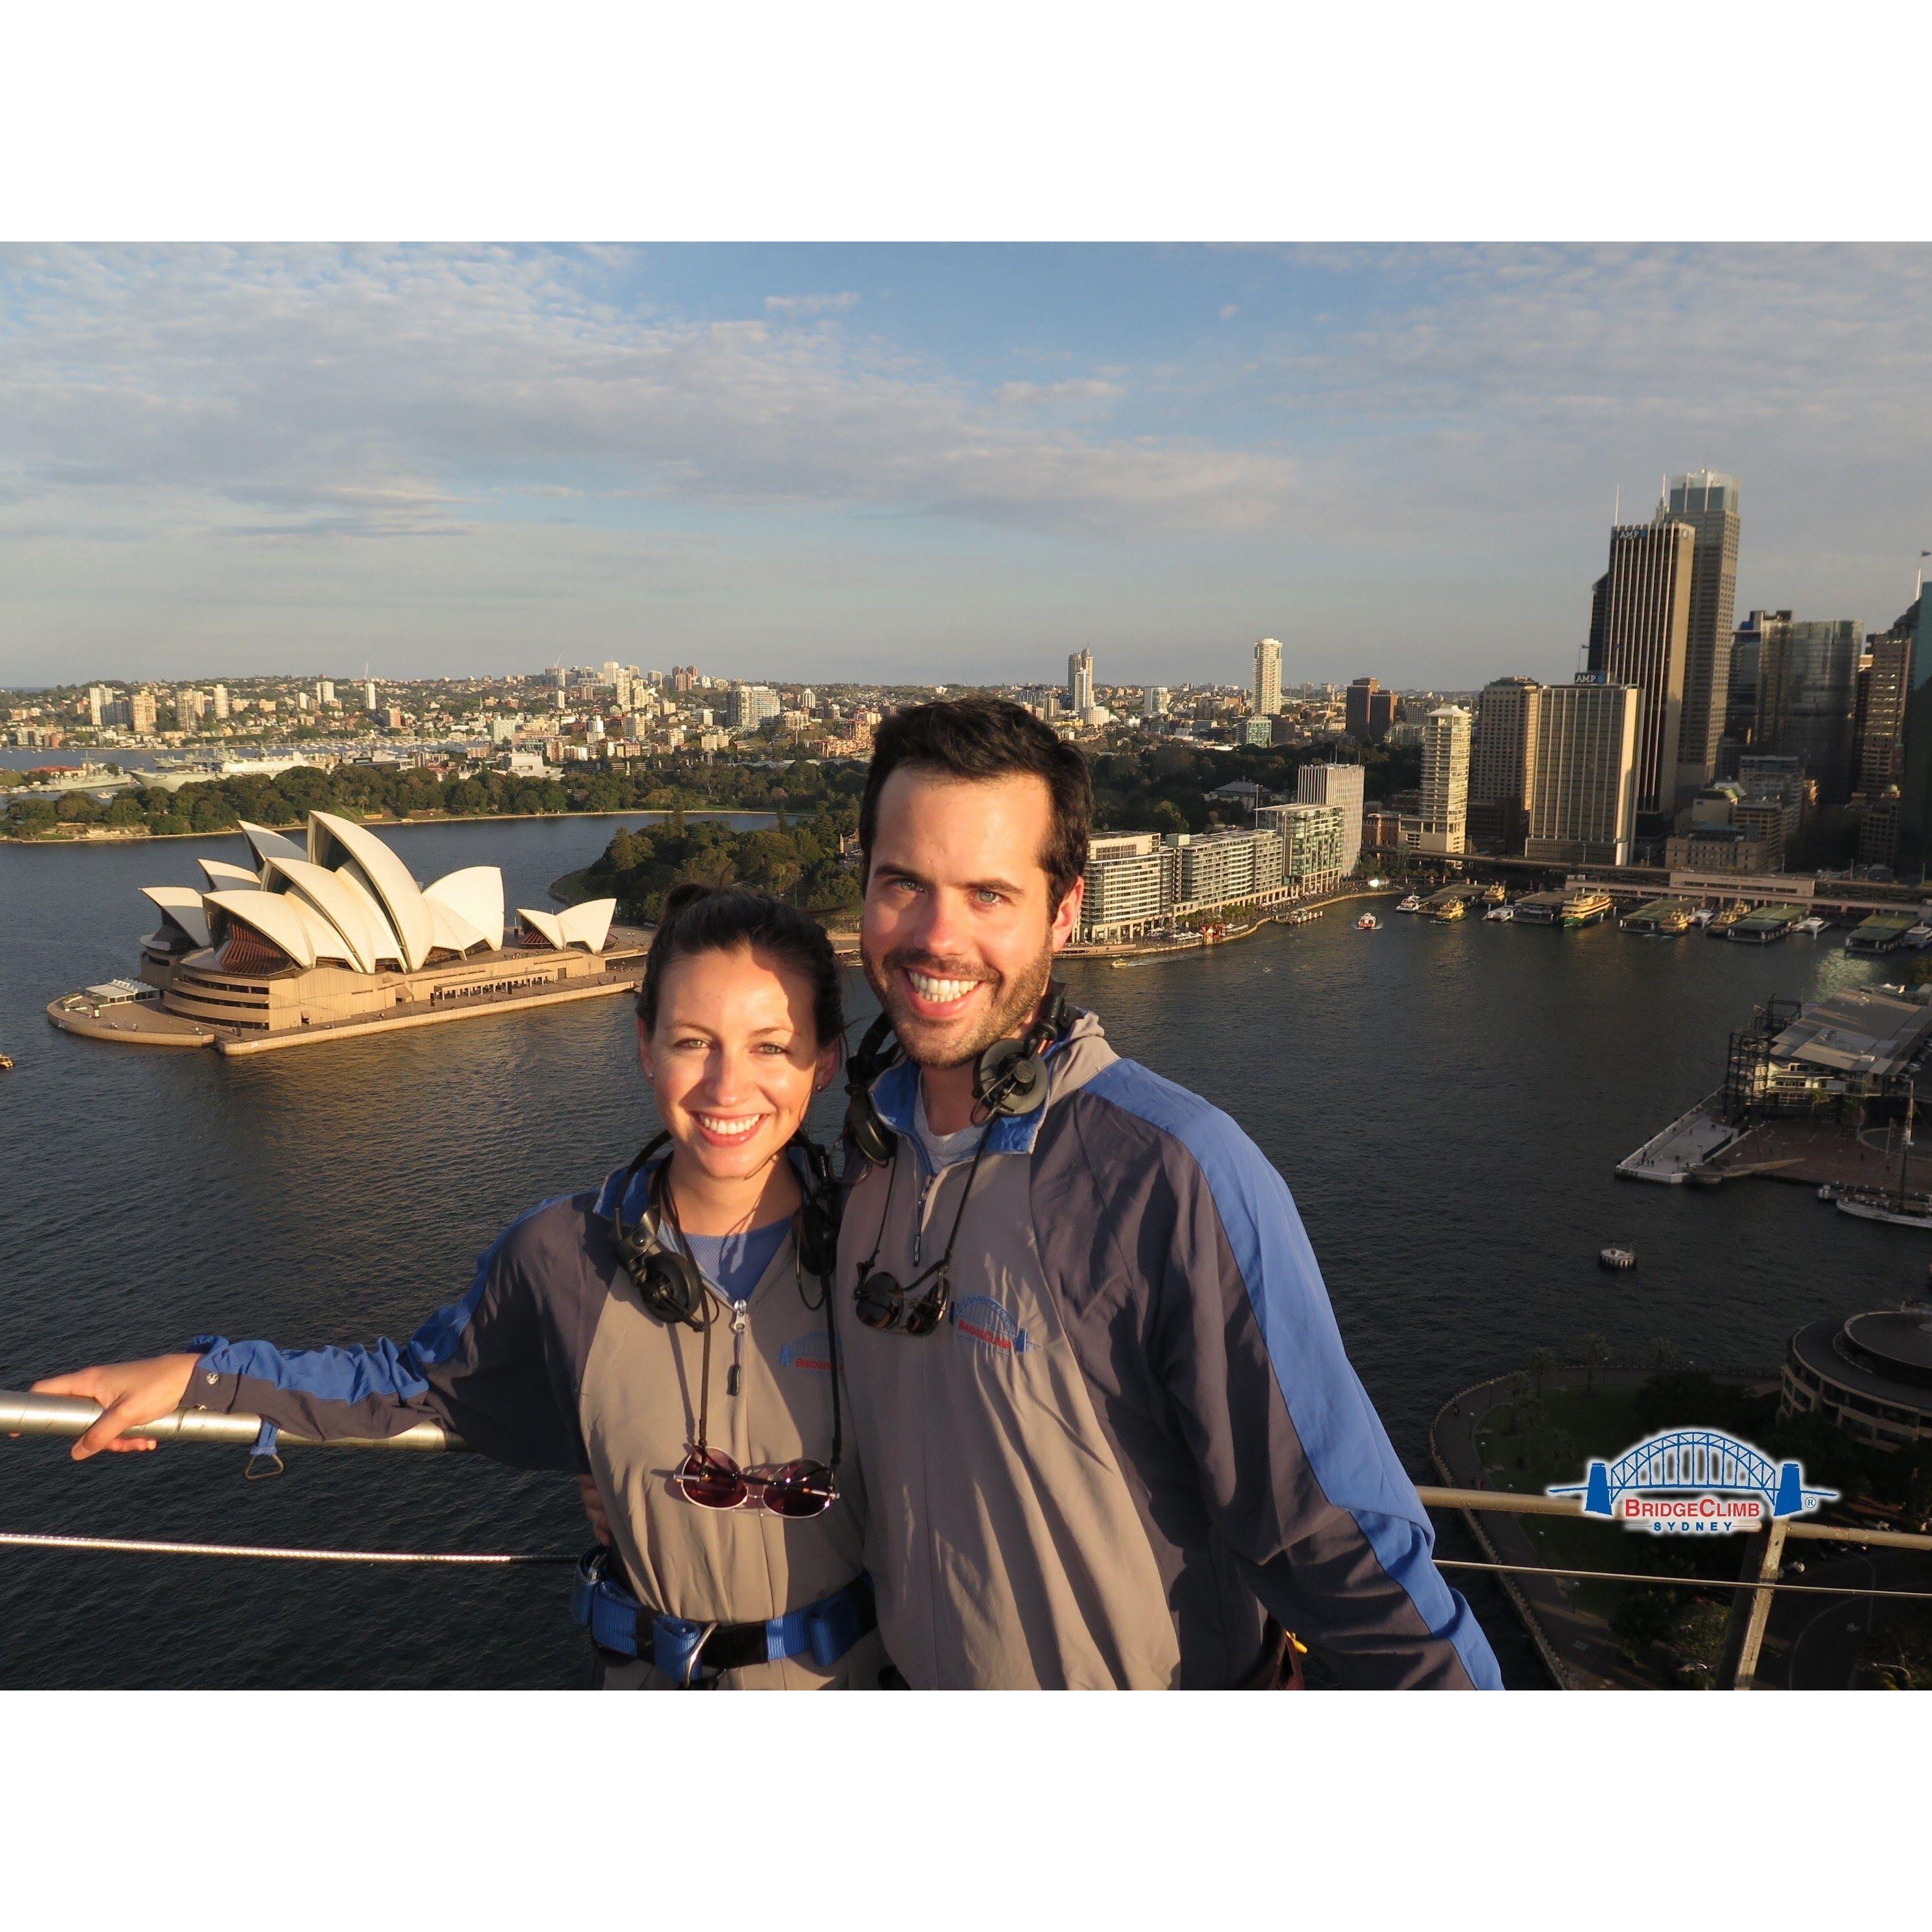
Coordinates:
[334,938]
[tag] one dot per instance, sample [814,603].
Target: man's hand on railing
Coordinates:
[129,1393]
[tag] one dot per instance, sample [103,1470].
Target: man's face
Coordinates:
[960,930]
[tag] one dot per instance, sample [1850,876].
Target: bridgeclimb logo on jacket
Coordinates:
[982,1321]
[808,1352]
[1696,1481]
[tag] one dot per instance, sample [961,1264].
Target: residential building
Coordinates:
[1133,881]
[1257,730]
[1807,676]
[1153,703]
[1268,677]
[368,695]
[1314,841]
[747,706]
[141,712]
[324,692]
[1337,785]
[1080,682]
[221,707]
[1445,780]
[1579,785]
[1499,747]
[1707,503]
[1220,869]
[1640,635]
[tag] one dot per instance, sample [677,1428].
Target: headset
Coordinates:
[1009,1078]
[668,1281]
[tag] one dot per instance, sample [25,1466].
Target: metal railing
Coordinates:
[1754,1590]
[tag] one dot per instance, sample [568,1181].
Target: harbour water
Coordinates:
[1446,1102]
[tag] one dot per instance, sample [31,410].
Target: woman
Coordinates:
[670,1338]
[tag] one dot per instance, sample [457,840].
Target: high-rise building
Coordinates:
[1884,683]
[1080,682]
[1641,635]
[1268,677]
[747,706]
[1807,681]
[1339,785]
[141,712]
[1580,782]
[1132,880]
[1499,761]
[99,698]
[324,692]
[1314,840]
[369,693]
[1153,702]
[1369,711]
[220,702]
[1445,780]
[1708,502]
[1747,657]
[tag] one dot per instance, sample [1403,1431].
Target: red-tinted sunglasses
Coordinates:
[709,1479]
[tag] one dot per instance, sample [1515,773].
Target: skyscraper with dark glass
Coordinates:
[1807,692]
[1640,634]
[1707,502]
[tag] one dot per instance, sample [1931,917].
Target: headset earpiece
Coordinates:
[877,1051]
[818,1219]
[668,1282]
[1011,1076]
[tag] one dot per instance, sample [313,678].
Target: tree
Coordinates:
[1661,1353]
[1596,1353]
[1517,1389]
[1542,1365]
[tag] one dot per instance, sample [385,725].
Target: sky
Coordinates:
[930,463]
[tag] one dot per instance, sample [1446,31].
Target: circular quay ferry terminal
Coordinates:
[337,939]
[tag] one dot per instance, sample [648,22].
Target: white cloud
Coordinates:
[811,304]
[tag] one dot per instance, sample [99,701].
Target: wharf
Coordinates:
[1691,1140]
[1817,1152]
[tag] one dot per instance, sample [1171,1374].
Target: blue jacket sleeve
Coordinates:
[489,1367]
[1297,1471]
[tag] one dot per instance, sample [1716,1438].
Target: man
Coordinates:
[1105,1414]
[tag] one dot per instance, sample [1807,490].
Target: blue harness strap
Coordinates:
[678,1647]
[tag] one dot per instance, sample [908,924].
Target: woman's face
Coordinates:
[735,1058]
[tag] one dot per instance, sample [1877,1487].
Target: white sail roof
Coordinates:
[475,896]
[221,875]
[329,897]
[181,905]
[275,915]
[333,841]
[266,844]
[587,925]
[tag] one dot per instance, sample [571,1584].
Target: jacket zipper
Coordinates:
[734,1377]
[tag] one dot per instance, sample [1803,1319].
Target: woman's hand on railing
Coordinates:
[593,1508]
[129,1393]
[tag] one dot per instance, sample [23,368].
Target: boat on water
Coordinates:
[1702,916]
[1298,915]
[1368,922]
[1412,904]
[1721,923]
[1616,1257]
[1810,927]
[1919,937]
[1660,918]
[1448,909]
[1869,1205]
[6,1062]
[1584,906]
[1500,912]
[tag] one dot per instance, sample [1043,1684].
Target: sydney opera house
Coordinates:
[336,938]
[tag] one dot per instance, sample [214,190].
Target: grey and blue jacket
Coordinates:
[1138,1434]
[550,1361]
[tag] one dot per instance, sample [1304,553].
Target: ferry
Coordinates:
[1702,916]
[1298,915]
[1500,912]
[1810,927]
[1368,922]
[1616,1257]
[1584,906]
[1919,937]
[1448,909]
[1721,923]
[1412,904]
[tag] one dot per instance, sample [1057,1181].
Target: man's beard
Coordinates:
[1009,1006]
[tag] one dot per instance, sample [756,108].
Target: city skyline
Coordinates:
[859,463]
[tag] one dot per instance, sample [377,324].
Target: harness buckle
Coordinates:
[677,1644]
[263,1462]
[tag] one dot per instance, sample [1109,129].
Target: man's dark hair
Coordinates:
[705,919]
[983,738]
